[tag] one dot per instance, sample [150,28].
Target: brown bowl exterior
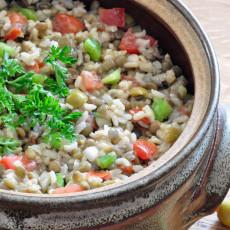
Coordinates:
[188,182]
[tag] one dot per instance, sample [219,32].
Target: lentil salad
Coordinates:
[87,97]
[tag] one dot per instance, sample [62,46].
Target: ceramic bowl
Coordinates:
[186,183]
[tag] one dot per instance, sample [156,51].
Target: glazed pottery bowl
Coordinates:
[186,183]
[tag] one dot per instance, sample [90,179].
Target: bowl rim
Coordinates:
[41,199]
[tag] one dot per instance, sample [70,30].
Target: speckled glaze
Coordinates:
[187,183]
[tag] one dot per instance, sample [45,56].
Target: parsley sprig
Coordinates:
[8,145]
[57,58]
[24,102]
[41,108]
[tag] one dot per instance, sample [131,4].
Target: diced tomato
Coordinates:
[113,17]
[145,120]
[128,170]
[91,81]
[128,43]
[13,34]
[74,188]
[17,19]
[144,149]
[183,110]
[69,189]
[104,175]
[66,24]
[30,165]
[8,161]
[59,191]
[36,67]
[152,40]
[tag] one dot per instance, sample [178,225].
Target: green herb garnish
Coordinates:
[60,179]
[41,108]
[162,109]
[38,106]
[58,57]
[8,145]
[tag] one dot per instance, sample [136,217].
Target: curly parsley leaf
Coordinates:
[52,86]
[22,83]
[56,58]
[10,68]
[43,109]
[60,54]
[39,106]
[8,145]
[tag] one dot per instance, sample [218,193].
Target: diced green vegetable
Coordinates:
[39,79]
[60,179]
[28,13]
[93,48]
[162,109]
[112,78]
[104,162]
[6,48]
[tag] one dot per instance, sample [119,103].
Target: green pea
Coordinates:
[162,109]
[76,98]
[104,162]
[93,48]
[6,48]
[28,13]
[113,78]
[60,179]
[171,134]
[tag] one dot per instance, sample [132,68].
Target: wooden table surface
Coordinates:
[214,16]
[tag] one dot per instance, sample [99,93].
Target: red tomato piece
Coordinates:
[69,189]
[183,110]
[67,24]
[104,175]
[74,188]
[128,170]
[34,68]
[152,40]
[29,165]
[59,191]
[113,17]
[144,149]
[91,81]
[128,43]
[8,161]
[17,19]
[13,34]
[145,120]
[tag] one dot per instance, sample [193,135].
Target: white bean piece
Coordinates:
[91,153]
